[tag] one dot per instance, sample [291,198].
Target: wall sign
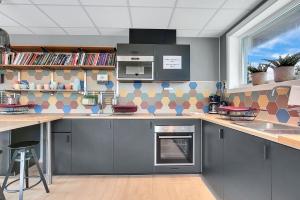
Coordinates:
[172,62]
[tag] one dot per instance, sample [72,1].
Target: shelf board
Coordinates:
[58,67]
[27,90]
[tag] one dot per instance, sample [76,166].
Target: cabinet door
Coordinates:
[247,167]
[175,74]
[62,153]
[62,126]
[213,157]
[135,49]
[92,146]
[285,172]
[133,146]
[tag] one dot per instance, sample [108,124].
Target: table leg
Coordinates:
[41,161]
[49,154]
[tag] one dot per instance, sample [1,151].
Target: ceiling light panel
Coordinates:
[105,2]
[245,4]
[200,3]
[68,16]
[225,18]
[115,32]
[28,15]
[191,18]
[110,17]
[152,3]
[145,17]
[187,33]
[16,2]
[16,30]
[81,31]
[5,21]
[56,2]
[47,31]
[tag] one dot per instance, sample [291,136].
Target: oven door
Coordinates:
[174,148]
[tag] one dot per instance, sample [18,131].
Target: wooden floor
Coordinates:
[157,187]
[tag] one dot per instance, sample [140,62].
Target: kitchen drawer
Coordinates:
[62,126]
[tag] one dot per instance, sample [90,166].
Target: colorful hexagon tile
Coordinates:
[137,84]
[282,101]
[45,105]
[165,101]
[95,109]
[200,96]
[165,84]
[59,104]
[283,115]
[67,109]
[179,92]
[144,105]
[137,93]
[38,108]
[172,105]
[179,109]
[193,100]
[151,109]
[199,105]
[236,101]
[152,92]
[193,85]
[263,101]
[144,96]
[158,105]
[205,108]
[186,105]
[109,85]
[158,96]
[272,108]
[137,101]
[73,104]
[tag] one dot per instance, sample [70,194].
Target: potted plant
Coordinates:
[284,67]
[258,74]
[297,72]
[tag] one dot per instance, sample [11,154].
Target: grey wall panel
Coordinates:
[204,58]
[223,59]
[204,51]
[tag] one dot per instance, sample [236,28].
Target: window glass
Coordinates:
[279,38]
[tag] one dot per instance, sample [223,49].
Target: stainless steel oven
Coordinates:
[174,145]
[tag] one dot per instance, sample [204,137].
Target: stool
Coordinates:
[24,151]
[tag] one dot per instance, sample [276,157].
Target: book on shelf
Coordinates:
[69,59]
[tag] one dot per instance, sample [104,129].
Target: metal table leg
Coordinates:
[49,154]
[41,161]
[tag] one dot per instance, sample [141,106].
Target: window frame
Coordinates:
[260,18]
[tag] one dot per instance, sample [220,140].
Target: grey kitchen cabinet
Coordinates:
[172,74]
[133,146]
[213,158]
[247,167]
[92,146]
[285,172]
[62,144]
[173,168]
[61,126]
[135,49]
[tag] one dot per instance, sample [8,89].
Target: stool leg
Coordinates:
[40,170]
[26,174]
[11,165]
[22,167]
[2,197]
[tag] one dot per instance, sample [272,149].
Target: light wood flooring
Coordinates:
[156,187]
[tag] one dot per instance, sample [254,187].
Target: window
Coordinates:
[278,38]
[271,31]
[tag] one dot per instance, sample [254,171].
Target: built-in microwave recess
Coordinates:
[135,67]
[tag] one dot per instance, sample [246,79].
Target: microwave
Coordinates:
[135,68]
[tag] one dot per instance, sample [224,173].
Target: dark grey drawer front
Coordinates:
[135,49]
[62,126]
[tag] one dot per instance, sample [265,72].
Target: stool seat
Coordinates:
[24,144]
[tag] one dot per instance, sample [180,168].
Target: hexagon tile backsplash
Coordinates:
[165,97]
[273,107]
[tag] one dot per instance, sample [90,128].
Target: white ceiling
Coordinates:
[191,18]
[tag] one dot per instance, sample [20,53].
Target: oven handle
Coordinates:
[174,137]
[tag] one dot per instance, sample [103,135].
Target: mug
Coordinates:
[31,86]
[46,86]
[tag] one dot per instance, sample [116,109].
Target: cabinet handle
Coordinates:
[265,152]
[150,125]
[68,138]
[221,134]
[110,124]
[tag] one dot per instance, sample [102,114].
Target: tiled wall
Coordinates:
[273,107]
[149,97]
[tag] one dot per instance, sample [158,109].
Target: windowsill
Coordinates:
[268,86]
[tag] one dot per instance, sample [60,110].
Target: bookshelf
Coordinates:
[59,58]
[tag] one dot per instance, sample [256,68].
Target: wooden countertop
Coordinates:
[9,122]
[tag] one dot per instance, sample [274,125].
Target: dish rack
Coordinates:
[15,109]
[238,113]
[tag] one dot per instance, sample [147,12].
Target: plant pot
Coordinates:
[259,78]
[284,73]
